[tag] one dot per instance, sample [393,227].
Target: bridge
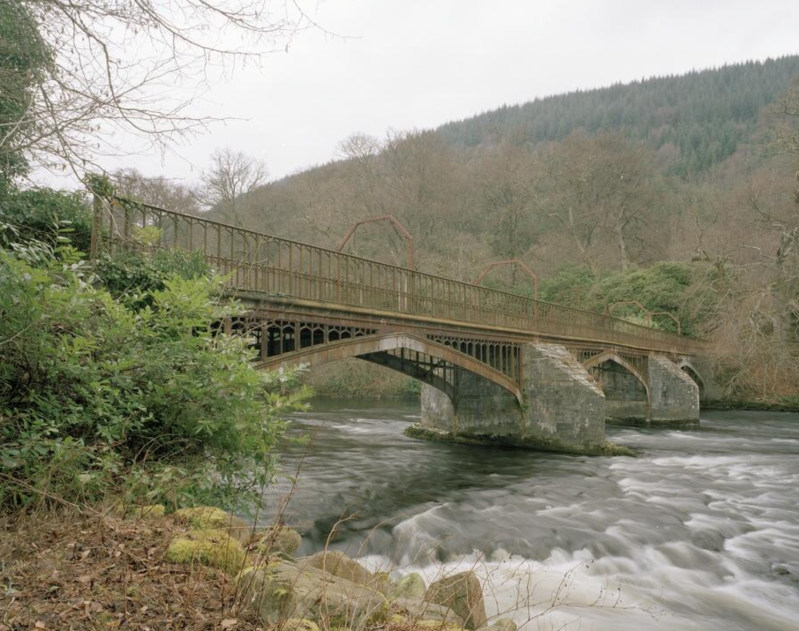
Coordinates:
[495,366]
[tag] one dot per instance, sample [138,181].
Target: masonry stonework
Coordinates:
[673,395]
[563,408]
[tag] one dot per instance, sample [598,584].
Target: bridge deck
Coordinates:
[275,274]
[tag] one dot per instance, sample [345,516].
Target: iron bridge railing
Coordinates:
[276,267]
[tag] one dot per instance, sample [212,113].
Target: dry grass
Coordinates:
[66,569]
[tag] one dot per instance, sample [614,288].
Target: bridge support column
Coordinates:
[564,403]
[673,395]
[480,409]
[563,408]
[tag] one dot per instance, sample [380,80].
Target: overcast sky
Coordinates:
[415,64]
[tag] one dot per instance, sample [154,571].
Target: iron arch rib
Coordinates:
[380,349]
[612,356]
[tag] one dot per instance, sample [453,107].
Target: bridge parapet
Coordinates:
[273,268]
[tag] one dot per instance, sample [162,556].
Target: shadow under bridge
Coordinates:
[434,362]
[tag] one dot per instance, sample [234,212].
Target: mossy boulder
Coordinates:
[410,586]
[438,625]
[149,511]
[339,564]
[285,590]
[463,594]
[214,548]
[298,624]
[415,610]
[279,540]
[205,517]
[503,624]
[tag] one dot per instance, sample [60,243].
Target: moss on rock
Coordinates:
[279,540]
[411,586]
[205,517]
[211,547]
[298,624]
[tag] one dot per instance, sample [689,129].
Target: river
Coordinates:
[700,532]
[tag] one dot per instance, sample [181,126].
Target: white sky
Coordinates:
[409,64]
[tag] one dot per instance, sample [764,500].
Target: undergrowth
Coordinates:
[116,377]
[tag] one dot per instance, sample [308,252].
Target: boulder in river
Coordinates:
[463,594]
[410,586]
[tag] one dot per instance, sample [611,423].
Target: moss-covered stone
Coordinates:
[214,548]
[205,517]
[503,624]
[463,594]
[284,590]
[279,540]
[339,564]
[149,511]
[413,610]
[438,625]
[298,624]
[411,586]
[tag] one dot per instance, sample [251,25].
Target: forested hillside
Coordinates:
[696,120]
[678,191]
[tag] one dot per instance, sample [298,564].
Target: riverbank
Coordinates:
[785,404]
[202,568]
[88,568]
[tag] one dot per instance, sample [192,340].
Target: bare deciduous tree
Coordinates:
[134,66]
[158,191]
[232,175]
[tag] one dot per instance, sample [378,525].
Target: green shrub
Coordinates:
[43,215]
[141,390]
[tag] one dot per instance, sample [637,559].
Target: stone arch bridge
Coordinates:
[495,366]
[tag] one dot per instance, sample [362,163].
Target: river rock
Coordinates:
[414,610]
[279,540]
[214,548]
[150,511]
[411,586]
[298,624]
[339,564]
[204,517]
[461,593]
[503,624]
[285,590]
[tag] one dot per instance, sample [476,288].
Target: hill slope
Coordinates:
[704,115]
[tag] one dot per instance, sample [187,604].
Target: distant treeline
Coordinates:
[703,115]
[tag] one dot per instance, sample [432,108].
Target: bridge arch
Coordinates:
[688,368]
[611,356]
[626,387]
[381,349]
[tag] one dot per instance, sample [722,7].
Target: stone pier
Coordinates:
[563,407]
[673,395]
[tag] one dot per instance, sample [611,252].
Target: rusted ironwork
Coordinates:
[524,266]
[624,303]
[518,262]
[398,227]
[271,270]
[668,315]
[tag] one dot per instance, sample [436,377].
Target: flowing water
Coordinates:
[700,532]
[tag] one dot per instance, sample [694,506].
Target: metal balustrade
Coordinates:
[260,263]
